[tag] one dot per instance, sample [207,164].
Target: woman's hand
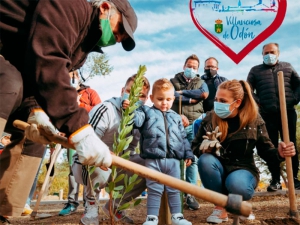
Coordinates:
[286,150]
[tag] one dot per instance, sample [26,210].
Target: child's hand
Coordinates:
[125,104]
[188,162]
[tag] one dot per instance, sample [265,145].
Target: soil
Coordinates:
[267,210]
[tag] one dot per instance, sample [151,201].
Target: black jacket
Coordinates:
[264,84]
[237,150]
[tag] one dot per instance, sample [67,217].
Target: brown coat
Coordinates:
[45,40]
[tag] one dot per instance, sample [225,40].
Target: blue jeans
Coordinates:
[191,171]
[213,177]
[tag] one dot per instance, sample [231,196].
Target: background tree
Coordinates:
[95,65]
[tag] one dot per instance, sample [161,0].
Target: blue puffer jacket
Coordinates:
[162,134]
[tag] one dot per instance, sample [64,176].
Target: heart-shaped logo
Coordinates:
[245,25]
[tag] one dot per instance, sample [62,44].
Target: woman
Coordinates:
[230,167]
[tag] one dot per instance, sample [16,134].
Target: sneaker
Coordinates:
[151,220]
[27,210]
[68,209]
[250,217]
[296,184]
[192,202]
[178,219]
[219,215]
[274,186]
[90,215]
[119,215]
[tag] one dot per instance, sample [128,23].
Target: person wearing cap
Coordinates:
[41,42]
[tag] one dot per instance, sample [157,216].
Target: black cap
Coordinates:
[129,22]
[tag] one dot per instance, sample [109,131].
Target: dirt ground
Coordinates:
[268,210]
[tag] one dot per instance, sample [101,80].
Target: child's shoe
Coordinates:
[90,216]
[178,219]
[151,220]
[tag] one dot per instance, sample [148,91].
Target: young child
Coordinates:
[105,119]
[163,144]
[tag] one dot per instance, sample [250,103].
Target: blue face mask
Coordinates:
[190,73]
[125,96]
[270,59]
[222,109]
[139,103]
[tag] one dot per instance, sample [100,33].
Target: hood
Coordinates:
[116,101]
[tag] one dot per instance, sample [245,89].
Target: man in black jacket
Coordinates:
[212,79]
[263,81]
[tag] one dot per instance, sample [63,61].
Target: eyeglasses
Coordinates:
[211,67]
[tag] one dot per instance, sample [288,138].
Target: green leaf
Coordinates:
[115,195]
[120,177]
[137,202]
[91,169]
[124,206]
[133,178]
[96,185]
[126,180]
[111,185]
[126,155]
[119,188]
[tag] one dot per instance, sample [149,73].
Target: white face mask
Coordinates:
[75,84]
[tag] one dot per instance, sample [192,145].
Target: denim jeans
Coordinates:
[213,177]
[191,171]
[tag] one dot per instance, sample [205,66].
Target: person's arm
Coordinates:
[198,94]
[50,45]
[295,82]
[252,83]
[265,149]
[100,119]
[139,117]
[197,141]
[184,100]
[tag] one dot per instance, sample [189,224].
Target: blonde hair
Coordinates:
[247,110]
[162,84]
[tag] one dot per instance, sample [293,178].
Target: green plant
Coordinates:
[121,142]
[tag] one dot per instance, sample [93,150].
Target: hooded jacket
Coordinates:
[45,40]
[192,89]
[238,149]
[264,83]
[89,97]
[162,134]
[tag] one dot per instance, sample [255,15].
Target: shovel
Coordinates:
[232,203]
[53,158]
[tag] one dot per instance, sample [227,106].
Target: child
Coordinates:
[163,144]
[105,119]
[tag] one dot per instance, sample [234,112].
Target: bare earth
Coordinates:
[268,210]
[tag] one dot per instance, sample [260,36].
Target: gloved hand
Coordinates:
[40,118]
[211,143]
[90,149]
[32,133]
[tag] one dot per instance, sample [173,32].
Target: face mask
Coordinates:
[210,72]
[222,109]
[75,84]
[125,96]
[270,59]
[139,103]
[107,38]
[189,72]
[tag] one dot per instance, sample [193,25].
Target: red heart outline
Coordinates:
[282,5]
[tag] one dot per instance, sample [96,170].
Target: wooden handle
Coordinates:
[205,194]
[286,139]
